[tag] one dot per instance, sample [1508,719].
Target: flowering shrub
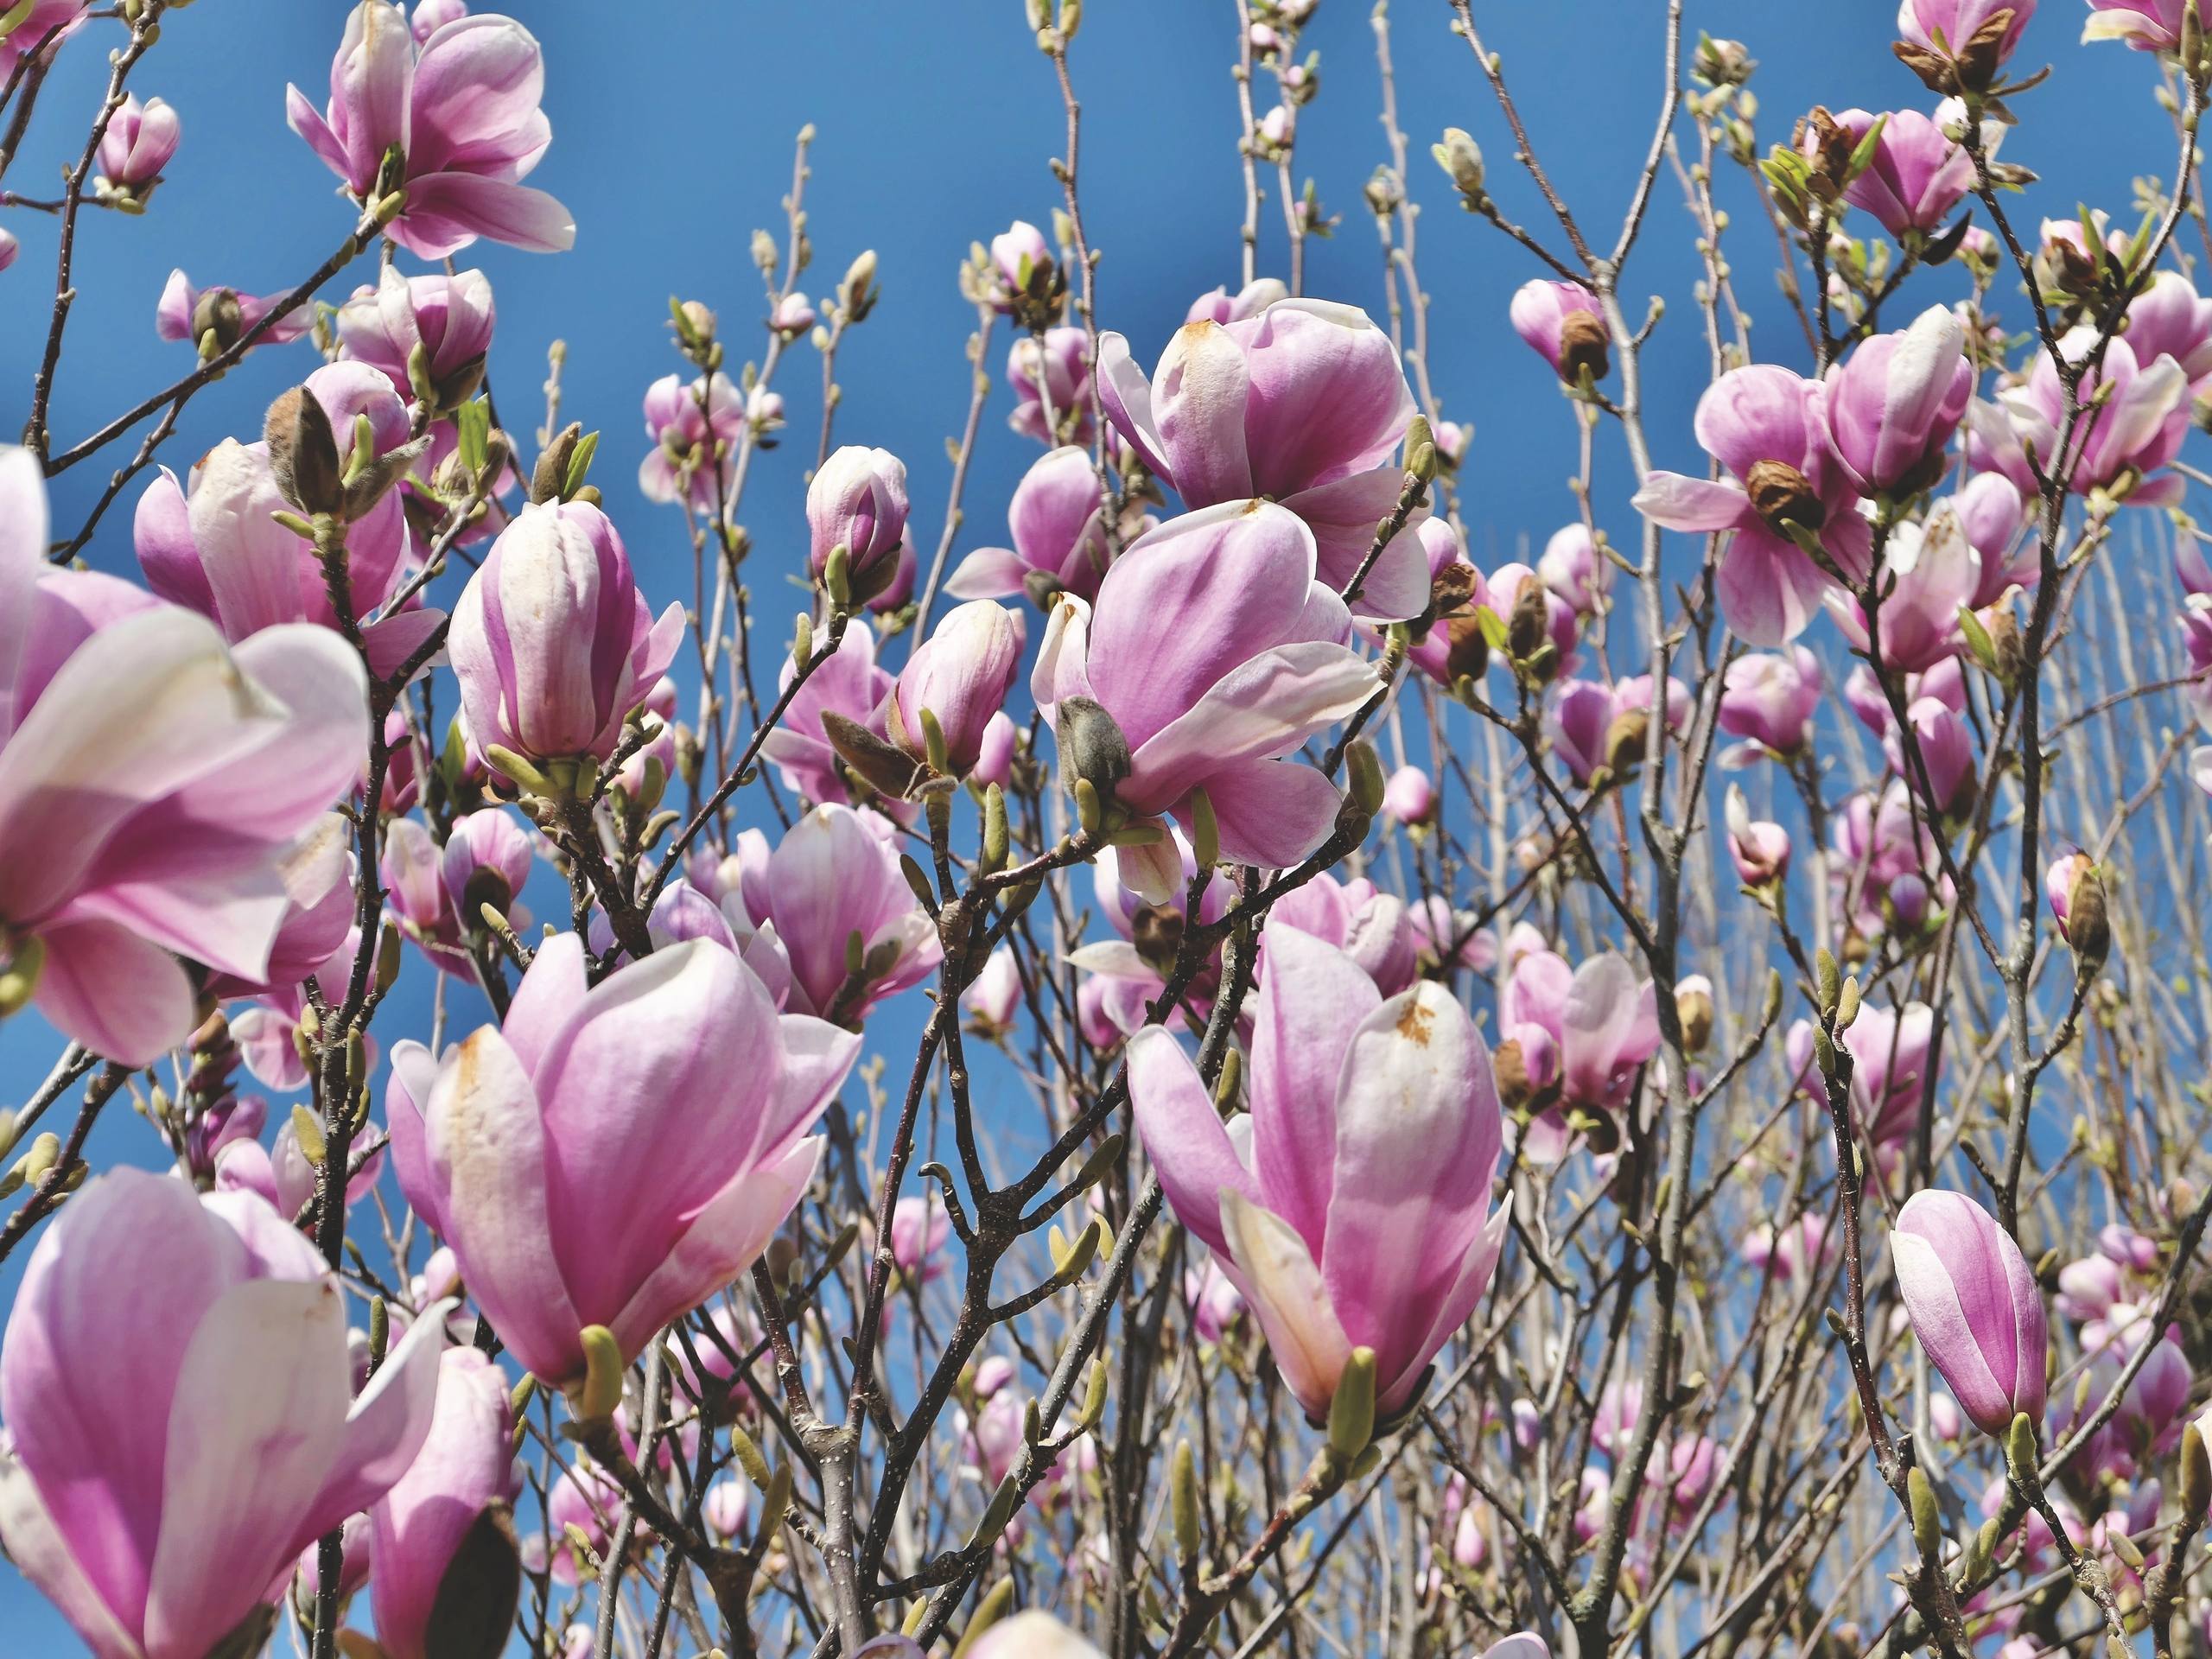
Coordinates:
[1020,1134]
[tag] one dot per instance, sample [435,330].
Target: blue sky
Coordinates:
[673,131]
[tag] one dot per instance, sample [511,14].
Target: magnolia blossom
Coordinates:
[2141,416]
[449,1512]
[1578,1037]
[1562,323]
[1770,700]
[181,1412]
[461,110]
[552,641]
[221,550]
[1025,1635]
[1894,403]
[1975,1305]
[959,678]
[448,319]
[1216,651]
[1130,971]
[153,782]
[994,1000]
[42,18]
[1058,532]
[1927,576]
[1219,305]
[1352,1208]
[1768,427]
[223,313]
[139,141]
[695,429]
[1408,795]
[833,892]
[1960,20]
[848,684]
[614,1155]
[1917,176]
[1050,377]
[1889,1060]
[858,501]
[1572,567]
[1303,404]
[1760,850]
[1372,927]
[2145,25]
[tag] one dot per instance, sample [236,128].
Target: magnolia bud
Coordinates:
[549,480]
[303,453]
[1461,158]
[1092,749]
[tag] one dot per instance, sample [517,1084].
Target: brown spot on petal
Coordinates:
[1417,1025]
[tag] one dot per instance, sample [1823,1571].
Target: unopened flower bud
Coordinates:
[1461,158]
[303,453]
[1092,749]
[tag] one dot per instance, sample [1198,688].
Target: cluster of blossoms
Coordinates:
[1342,1121]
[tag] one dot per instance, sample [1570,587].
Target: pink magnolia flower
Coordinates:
[1579,723]
[450,318]
[1959,21]
[2145,25]
[1760,850]
[552,641]
[1572,567]
[858,502]
[1130,970]
[221,552]
[8,248]
[1409,797]
[2170,319]
[1219,305]
[1894,403]
[1213,1299]
[1249,667]
[1889,1063]
[1768,427]
[189,312]
[833,881]
[1051,380]
[1562,323]
[1058,534]
[453,1496]
[182,1414]
[2137,429]
[919,1228]
[994,1001]
[1989,515]
[1943,777]
[138,143]
[727,1503]
[44,18]
[793,314]
[1303,404]
[959,676]
[1372,927]
[436,894]
[428,16]
[1360,1214]
[849,683]
[695,429]
[616,1153]
[1917,175]
[461,110]
[1975,1306]
[1770,700]
[1601,1019]
[1025,263]
[2062,881]
[1927,576]
[211,762]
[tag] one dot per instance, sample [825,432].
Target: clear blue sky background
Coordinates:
[673,125]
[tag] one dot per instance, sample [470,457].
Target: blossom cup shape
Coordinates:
[1372,927]
[2170,319]
[1927,574]
[449,317]
[1960,20]
[1770,699]
[446,1520]
[462,111]
[1917,176]
[2136,430]
[1975,1306]
[139,142]
[1219,305]
[1303,404]
[1894,403]
[1217,653]
[1058,532]
[959,677]
[182,1421]
[552,642]
[858,501]
[187,313]
[1768,428]
[1352,1208]
[154,783]
[1560,322]
[1049,378]
[694,455]
[221,552]
[2145,25]
[850,684]
[831,880]
[43,17]
[616,1154]
[1889,1051]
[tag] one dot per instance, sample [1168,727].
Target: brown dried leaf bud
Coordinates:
[1781,495]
